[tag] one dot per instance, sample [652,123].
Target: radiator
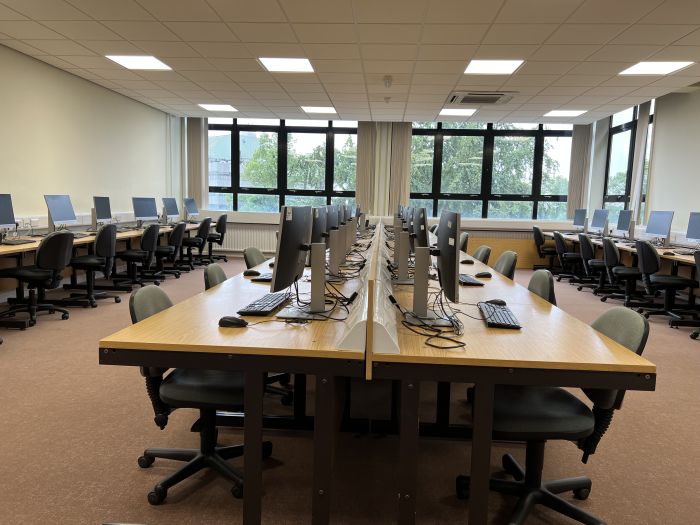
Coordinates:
[499,234]
[240,236]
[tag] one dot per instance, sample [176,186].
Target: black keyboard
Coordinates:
[496,316]
[467,280]
[16,242]
[265,305]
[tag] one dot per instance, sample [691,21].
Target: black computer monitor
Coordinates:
[580,217]
[318,228]
[103,210]
[623,220]
[420,228]
[7,215]
[448,257]
[332,218]
[145,208]
[170,206]
[60,210]
[292,245]
[191,207]
[693,232]
[600,220]
[659,224]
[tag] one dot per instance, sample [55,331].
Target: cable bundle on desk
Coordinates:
[431,333]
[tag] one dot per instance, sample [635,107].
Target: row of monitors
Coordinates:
[658,225]
[61,210]
[327,218]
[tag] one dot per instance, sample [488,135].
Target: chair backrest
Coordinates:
[203,230]
[106,241]
[506,264]
[697,264]
[148,301]
[611,253]
[463,241]
[538,236]
[559,243]
[253,257]
[177,234]
[587,251]
[221,224]
[213,274]
[482,253]
[648,259]
[542,284]
[149,241]
[55,251]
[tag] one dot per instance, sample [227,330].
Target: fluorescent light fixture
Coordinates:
[454,112]
[318,109]
[217,107]
[565,113]
[139,62]
[655,68]
[492,67]
[287,65]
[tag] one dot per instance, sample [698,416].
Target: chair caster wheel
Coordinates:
[646,316]
[579,288]
[32,323]
[157,283]
[146,461]
[117,299]
[603,299]
[462,487]
[237,491]
[51,311]
[582,494]
[158,495]
[694,335]
[93,304]
[177,276]
[66,316]
[287,400]
[266,449]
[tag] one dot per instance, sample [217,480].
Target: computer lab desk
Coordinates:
[552,349]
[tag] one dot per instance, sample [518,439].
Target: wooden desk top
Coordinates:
[550,338]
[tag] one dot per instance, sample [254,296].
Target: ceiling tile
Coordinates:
[537,11]
[564,52]
[337,66]
[111,10]
[612,91]
[46,10]
[550,99]
[585,33]
[221,50]
[202,31]
[247,11]
[675,12]
[191,10]
[83,30]
[116,74]
[653,34]
[318,10]
[446,52]
[214,76]
[325,33]
[111,47]
[615,53]
[511,51]
[682,53]
[439,66]
[564,90]
[190,64]
[23,48]
[251,76]
[389,33]
[530,80]
[600,68]
[93,62]
[330,51]
[342,77]
[388,51]
[454,33]
[236,64]
[349,97]
[675,81]
[21,30]
[545,68]
[59,47]
[161,76]
[453,11]
[293,79]
[140,30]
[345,88]
[276,50]
[580,80]
[518,33]
[629,80]
[167,49]
[8,14]
[692,39]
[268,32]
[605,11]
[54,61]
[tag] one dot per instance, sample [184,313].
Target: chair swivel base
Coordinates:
[32,311]
[85,300]
[532,491]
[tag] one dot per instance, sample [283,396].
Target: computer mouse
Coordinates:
[499,302]
[483,275]
[272,264]
[467,261]
[231,321]
[251,273]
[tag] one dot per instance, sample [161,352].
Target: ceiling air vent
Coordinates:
[470,98]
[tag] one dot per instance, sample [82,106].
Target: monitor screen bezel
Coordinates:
[51,200]
[8,198]
[109,206]
[145,217]
[670,223]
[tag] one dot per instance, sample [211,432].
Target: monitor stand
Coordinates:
[335,253]
[421,316]
[403,251]
[318,290]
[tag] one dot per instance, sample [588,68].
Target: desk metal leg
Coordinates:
[324,439]
[408,451]
[299,398]
[252,432]
[481,453]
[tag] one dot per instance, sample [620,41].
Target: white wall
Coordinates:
[62,134]
[675,158]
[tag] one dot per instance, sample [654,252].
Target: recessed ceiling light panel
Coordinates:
[318,109]
[457,112]
[287,65]
[565,113]
[655,68]
[492,67]
[149,63]
[217,107]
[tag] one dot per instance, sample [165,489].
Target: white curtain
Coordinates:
[579,167]
[364,186]
[400,165]
[638,161]
[197,161]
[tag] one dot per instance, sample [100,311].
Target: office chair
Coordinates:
[199,241]
[482,253]
[542,284]
[593,269]
[139,261]
[505,264]
[618,273]
[649,264]
[213,275]
[52,257]
[101,259]
[205,390]
[170,253]
[535,415]
[463,241]
[253,257]
[217,236]
[568,260]
[544,249]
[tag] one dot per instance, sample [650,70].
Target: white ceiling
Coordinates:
[574,50]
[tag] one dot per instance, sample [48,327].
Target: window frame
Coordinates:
[282,131]
[485,196]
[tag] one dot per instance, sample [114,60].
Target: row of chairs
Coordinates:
[55,253]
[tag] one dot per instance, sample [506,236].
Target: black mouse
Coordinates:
[483,275]
[499,302]
[251,273]
[231,321]
[467,261]
[272,264]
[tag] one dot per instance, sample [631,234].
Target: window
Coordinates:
[260,164]
[645,178]
[512,171]
[619,164]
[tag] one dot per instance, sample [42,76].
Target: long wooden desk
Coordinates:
[187,335]
[552,349]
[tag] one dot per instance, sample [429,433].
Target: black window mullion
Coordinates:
[282,165]
[487,171]
[437,169]
[235,165]
[330,164]
[537,174]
